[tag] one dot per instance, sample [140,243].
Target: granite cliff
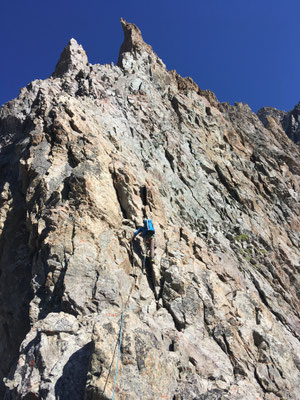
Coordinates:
[84,155]
[288,121]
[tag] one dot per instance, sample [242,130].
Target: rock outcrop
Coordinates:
[288,121]
[84,156]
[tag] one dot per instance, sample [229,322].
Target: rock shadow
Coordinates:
[146,264]
[137,249]
[150,274]
[71,385]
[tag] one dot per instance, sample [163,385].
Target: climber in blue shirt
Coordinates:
[148,234]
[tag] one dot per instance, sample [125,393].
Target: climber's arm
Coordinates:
[137,232]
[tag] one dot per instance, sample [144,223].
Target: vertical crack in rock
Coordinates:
[121,196]
[228,185]
[175,105]
[170,158]
[143,194]
[259,381]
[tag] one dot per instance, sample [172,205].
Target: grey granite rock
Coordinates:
[84,156]
[288,121]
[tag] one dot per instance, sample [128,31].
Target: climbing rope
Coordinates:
[125,309]
[119,351]
[144,263]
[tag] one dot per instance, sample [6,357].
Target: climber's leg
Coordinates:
[146,247]
[152,246]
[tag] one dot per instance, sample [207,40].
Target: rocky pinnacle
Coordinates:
[73,58]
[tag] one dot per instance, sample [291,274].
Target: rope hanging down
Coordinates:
[121,330]
[119,351]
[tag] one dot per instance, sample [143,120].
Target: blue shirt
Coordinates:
[147,228]
[142,230]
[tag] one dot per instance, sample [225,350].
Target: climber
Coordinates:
[148,234]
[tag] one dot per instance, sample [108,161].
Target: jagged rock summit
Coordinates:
[288,121]
[84,156]
[72,59]
[133,40]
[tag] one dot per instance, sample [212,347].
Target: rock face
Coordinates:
[288,121]
[291,124]
[84,156]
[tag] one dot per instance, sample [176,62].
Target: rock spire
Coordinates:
[72,59]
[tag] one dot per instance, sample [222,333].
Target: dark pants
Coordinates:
[150,244]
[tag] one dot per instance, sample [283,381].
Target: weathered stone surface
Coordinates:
[53,360]
[73,60]
[288,121]
[291,124]
[84,156]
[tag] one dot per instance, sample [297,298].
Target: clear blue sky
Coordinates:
[242,50]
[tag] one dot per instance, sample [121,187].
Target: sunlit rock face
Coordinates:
[85,155]
[288,121]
